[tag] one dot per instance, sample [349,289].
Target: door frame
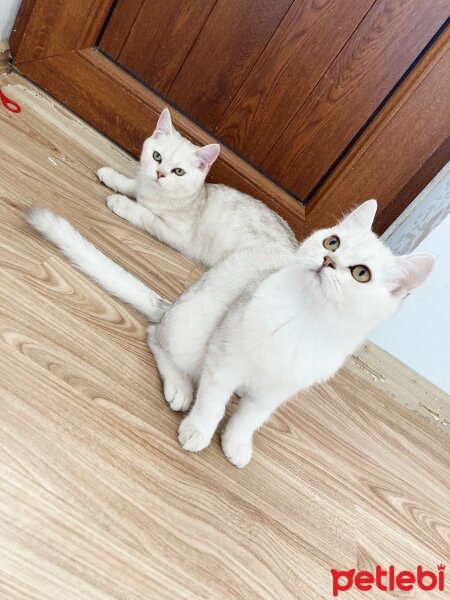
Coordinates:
[54,45]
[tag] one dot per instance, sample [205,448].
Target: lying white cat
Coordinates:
[204,221]
[269,318]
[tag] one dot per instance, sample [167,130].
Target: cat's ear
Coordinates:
[363,216]
[412,270]
[164,124]
[207,155]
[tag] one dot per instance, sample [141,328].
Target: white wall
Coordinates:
[419,333]
[8,11]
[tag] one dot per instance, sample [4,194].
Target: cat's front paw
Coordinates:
[190,437]
[239,453]
[178,394]
[107,176]
[118,204]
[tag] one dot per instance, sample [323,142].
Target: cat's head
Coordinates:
[351,270]
[171,164]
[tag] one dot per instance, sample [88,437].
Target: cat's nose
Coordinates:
[159,174]
[328,262]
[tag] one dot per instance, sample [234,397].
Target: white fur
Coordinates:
[100,268]
[268,319]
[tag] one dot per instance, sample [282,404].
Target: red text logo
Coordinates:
[388,580]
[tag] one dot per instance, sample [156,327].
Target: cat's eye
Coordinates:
[332,243]
[157,156]
[361,273]
[178,171]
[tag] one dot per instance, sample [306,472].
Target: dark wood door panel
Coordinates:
[230,43]
[119,26]
[303,47]
[159,39]
[391,36]
[411,134]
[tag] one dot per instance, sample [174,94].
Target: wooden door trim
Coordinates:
[20,25]
[80,67]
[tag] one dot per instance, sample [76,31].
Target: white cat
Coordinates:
[203,221]
[269,318]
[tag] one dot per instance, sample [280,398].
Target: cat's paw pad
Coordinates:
[190,438]
[178,395]
[238,453]
[107,175]
[117,204]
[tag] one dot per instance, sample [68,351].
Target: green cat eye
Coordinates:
[157,156]
[178,171]
[332,243]
[361,273]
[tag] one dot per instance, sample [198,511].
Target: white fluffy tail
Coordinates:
[96,265]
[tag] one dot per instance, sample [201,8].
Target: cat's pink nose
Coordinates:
[327,262]
[159,174]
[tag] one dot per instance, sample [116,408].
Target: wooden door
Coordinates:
[320,103]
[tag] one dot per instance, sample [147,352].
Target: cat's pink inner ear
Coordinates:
[363,216]
[164,124]
[412,270]
[207,155]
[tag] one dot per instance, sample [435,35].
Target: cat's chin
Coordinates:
[316,274]
[154,187]
[159,189]
[328,287]
[313,279]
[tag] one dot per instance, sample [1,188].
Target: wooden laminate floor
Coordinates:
[98,501]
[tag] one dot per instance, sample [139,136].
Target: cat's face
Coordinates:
[171,164]
[350,269]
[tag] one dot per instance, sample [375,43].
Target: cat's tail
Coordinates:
[96,265]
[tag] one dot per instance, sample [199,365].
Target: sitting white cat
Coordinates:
[269,318]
